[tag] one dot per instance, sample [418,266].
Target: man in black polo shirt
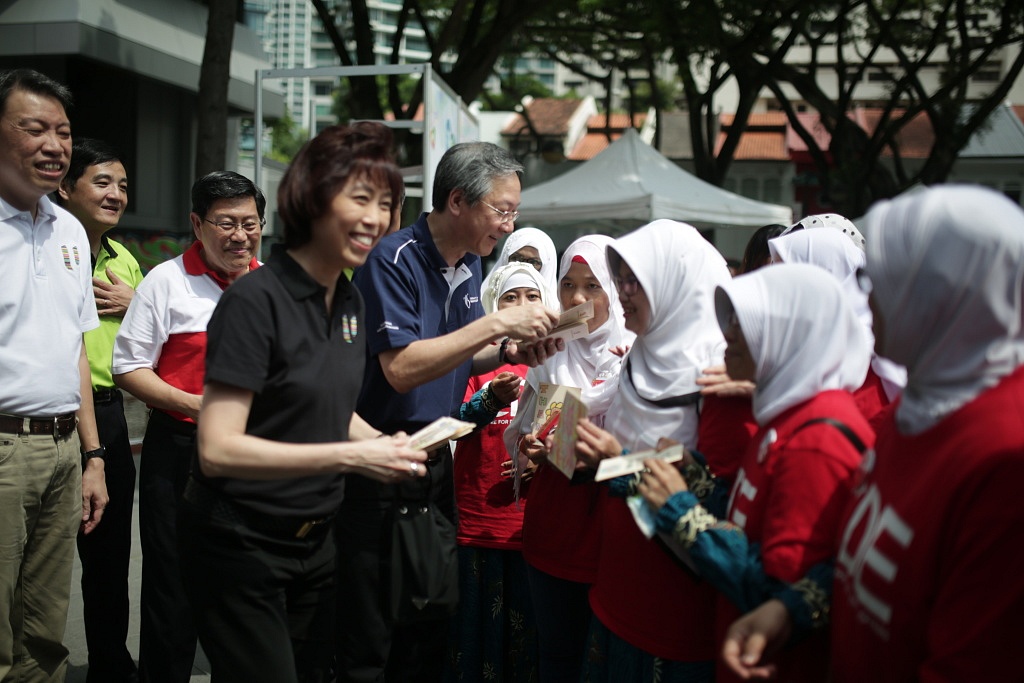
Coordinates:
[427,334]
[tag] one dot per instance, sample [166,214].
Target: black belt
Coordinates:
[206,499]
[59,426]
[106,395]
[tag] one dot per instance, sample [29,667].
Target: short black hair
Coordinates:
[35,82]
[86,152]
[224,185]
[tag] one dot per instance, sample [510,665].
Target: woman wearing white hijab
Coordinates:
[561,530]
[830,250]
[651,615]
[791,329]
[490,518]
[928,575]
[533,247]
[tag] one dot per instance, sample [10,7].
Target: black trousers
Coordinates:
[263,601]
[167,638]
[371,646]
[105,554]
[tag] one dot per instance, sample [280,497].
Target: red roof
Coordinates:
[761,119]
[590,145]
[619,121]
[758,146]
[550,117]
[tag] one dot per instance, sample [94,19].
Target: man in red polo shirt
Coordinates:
[159,356]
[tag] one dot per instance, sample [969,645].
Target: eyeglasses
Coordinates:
[627,285]
[229,227]
[506,216]
[863,281]
[535,262]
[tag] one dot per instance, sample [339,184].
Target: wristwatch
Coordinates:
[100,453]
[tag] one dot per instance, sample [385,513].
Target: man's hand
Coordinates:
[505,387]
[94,494]
[527,323]
[756,634]
[533,353]
[112,298]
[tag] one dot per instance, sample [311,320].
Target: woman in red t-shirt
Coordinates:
[790,329]
[494,633]
[561,532]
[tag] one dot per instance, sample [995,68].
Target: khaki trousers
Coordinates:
[40,512]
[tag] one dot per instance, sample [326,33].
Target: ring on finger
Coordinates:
[414,468]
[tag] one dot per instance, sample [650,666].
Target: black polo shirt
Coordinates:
[270,334]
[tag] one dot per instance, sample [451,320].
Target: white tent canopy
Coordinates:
[632,181]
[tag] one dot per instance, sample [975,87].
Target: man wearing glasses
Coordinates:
[159,356]
[427,334]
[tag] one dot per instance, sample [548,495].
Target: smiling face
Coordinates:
[578,286]
[35,148]
[228,253]
[358,216]
[739,361]
[481,225]
[635,305]
[99,197]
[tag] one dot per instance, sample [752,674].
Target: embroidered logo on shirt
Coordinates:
[470,300]
[387,325]
[66,255]
[349,328]
[74,250]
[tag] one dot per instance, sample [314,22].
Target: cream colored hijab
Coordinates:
[513,276]
[947,267]
[836,253]
[679,271]
[802,332]
[589,359]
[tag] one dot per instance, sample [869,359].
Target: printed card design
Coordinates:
[563,443]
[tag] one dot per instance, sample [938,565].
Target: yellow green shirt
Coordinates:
[99,343]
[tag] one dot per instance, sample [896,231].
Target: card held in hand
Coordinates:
[634,462]
[563,443]
[437,432]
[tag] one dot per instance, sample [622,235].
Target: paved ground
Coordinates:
[74,637]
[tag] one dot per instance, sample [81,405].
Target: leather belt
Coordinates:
[212,502]
[59,426]
[105,395]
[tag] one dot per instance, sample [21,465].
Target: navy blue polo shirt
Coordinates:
[272,335]
[411,293]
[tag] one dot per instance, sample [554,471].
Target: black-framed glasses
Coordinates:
[506,216]
[627,285]
[863,281]
[229,227]
[535,262]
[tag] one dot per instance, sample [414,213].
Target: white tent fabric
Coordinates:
[630,180]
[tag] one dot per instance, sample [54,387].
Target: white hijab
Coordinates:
[532,237]
[513,276]
[678,270]
[589,359]
[947,267]
[832,221]
[830,250]
[801,331]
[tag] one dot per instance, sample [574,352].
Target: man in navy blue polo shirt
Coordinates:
[426,335]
